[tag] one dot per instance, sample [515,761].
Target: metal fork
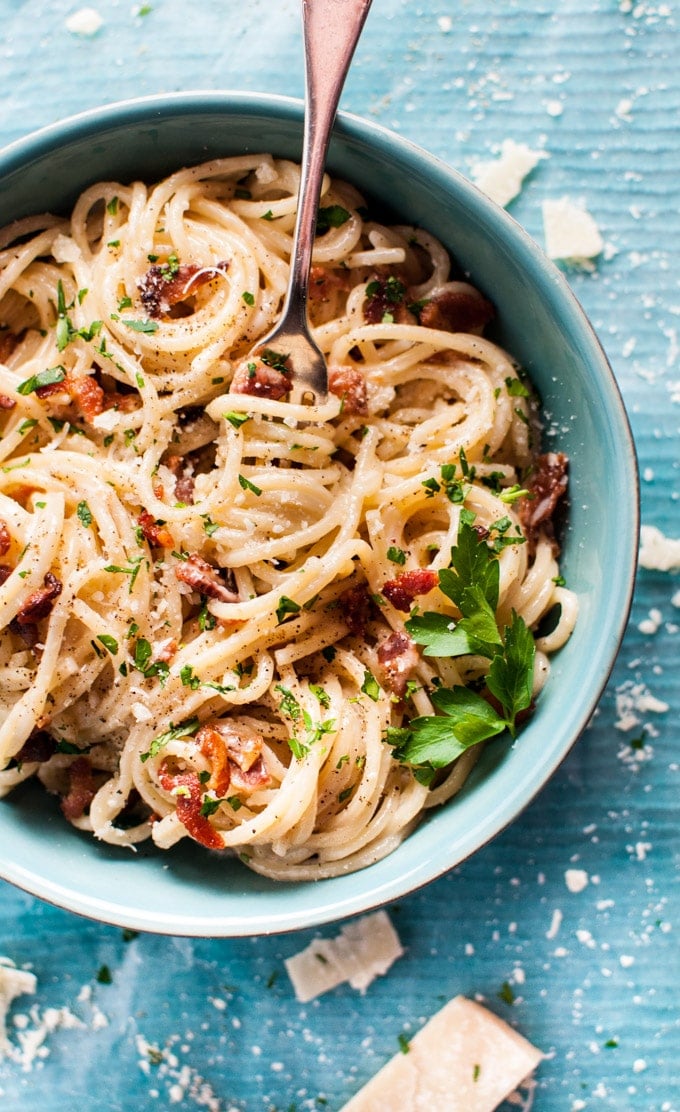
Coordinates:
[331,30]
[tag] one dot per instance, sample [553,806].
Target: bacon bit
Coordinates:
[387,297]
[5,572]
[84,390]
[212,745]
[324,281]
[457,311]
[403,590]
[189,806]
[248,779]
[154,531]
[204,578]
[6,403]
[8,342]
[82,789]
[40,746]
[5,538]
[122,403]
[398,656]
[355,608]
[260,380]
[166,651]
[547,484]
[235,751]
[184,483]
[38,605]
[349,384]
[161,287]
[88,396]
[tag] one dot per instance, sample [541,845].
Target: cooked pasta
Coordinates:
[279,630]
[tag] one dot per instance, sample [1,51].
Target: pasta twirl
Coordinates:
[229,618]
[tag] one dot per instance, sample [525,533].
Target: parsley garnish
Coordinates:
[246,484]
[370,686]
[333,216]
[466,718]
[236,419]
[141,325]
[84,514]
[48,377]
[184,729]
[396,555]
[287,606]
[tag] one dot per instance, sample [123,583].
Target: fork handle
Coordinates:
[331,30]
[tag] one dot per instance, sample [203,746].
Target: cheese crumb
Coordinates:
[576,879]
[364,949]
[86,21]
[657,552]
[570,231]
[501,179]
[13,982]
[465,1059]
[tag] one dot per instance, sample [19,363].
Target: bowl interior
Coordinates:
[189,891]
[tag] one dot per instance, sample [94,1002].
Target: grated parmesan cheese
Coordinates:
[86,21]
[501,179]
[364,949]
[657,552]
[570,231]
[13,982]
[465,1059]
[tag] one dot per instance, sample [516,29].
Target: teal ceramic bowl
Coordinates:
[188,891]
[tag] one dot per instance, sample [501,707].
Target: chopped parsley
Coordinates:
[370,686]
[246,484]
[396,555]
[84,514]
[48,377]
[332,216]
[286,608]
[185,729]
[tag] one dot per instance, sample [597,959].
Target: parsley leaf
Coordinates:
[185,729]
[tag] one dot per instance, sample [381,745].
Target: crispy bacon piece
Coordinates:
[235,751]
[324,281]
[204,578]
[164,286]
[188,802]
[82,789]
[355,608]
[212,745]
[184,481]
[84,390]
[6,402]
[38,605]
[8,342]
[248,779]
[5,538]
[402,591]
[547,484]
[386,297]
[398,657]
[154,531]
[349,384]
[5,572]
[259,380]
[453,310]
[39,746]
[87,394]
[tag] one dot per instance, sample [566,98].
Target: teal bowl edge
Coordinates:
[190,892]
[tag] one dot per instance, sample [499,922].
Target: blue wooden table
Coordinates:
[567,925]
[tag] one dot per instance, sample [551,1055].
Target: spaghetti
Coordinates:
[231,618]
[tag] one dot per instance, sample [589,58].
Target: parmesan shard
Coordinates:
[86,21]
[13,982]
[658,552]
[364,949]
[570,231]
[501,179]
[465,1059]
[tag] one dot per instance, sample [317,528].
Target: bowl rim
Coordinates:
[44,141]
